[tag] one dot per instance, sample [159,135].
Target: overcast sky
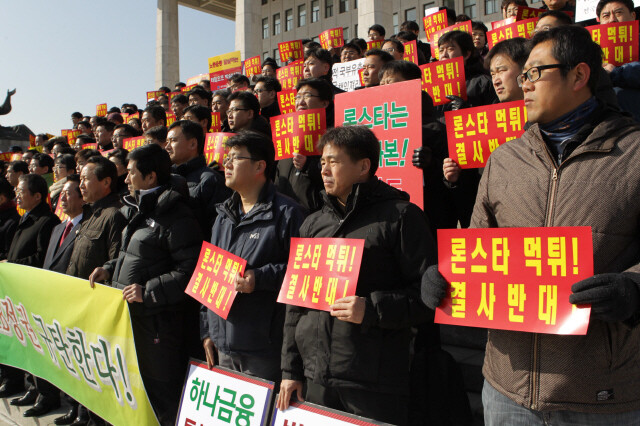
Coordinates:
[70,55]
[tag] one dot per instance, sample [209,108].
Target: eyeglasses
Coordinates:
[305,96]
[260,90]
[390,49]
[533,74]
[235,158]
[234,109]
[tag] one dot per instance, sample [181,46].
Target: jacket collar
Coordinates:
[38,211]
[364,194]
[261,211]
[191,165]
[111,200]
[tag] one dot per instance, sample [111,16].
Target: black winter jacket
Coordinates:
[31,239]
[374,355]
[9,219]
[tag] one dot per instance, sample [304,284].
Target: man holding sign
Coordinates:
[355,357]
[564,171]
[256,223]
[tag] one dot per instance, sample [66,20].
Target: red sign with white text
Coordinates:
[331,38]
[411,52]
[517,29]
[298,132]
[101,110]
[290,50]
[474,133]
[132,143]
[321,271]
[252,66]
[435,22]
[393,112]
[443,78]
[287,101]
[462,26]
[215,148]
[515,278]
[619,41]
[213,281]
[288,76]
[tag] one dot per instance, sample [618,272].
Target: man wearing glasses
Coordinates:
[244,114]
[266,91]
[576,165]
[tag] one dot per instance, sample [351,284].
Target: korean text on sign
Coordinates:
[435,22]
[216,122]
[72,135]
[287,101]
[213,281]
[252,66]
[443,78]
[345,75]
[215,148]
[219,396]
[462,26]
[288,76]
[474,133]
[528,12]
[502,23]
[152,95]
[291,50]
[522,29]
[390,112]
[101,110]
[298,132]
[132,143]
[619,41]
[411,52]
[222,67]
[321,271]
[331,38]
[375,44]
[515,278]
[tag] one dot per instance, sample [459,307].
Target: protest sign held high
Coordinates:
[214,147]
[222,67]
[331,38]
[345,75]
[619,41]
[522,29]
[462,26]
[443,78]
[435,22]
[298,132]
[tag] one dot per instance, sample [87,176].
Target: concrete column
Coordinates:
[374,12]
[248,28]
[167,44]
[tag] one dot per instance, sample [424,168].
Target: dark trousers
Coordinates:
[13,376]
[47,391]
[164,397]
[384,407]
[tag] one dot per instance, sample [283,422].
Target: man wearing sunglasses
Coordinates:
[577,164]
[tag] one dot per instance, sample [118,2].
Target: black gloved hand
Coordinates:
[421,157]
[434,287]
[613,297]
[457,102]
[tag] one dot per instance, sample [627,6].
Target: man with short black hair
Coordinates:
[104,135]
[266,90]
[318,63]
[178,104]
[153,116]
[199,96]
[376,32]
[238,82]
[157,135]
[244,114]
[15,170]
[9,216]
[76,117]
[122,132]
[198,114]
[373,61]
[42,165]
[220,104]
[414,28]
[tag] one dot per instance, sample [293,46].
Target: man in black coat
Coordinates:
[356,357]
[9,217]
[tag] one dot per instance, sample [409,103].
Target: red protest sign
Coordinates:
[188,87]
[101,110]
[528,13]
[375,44]
[61,215]
[298,132]
[173,95]
[515,278]
[63,132]
[216,122]
[290,50]
[213,281]
[171,118]
[132,143]
[90,145]
[153,95]
[502,23]
[252,66]
[132,116]
[411,52]
[288,76]
[72,135]
[435,22]
[474,133]
[443,78]
[393,113]
[215,148]
[619,41]
[320,271]
[331,38]
[105,154]
[517,29]
[6,156]
[462,26]
[287,101]
[361,76]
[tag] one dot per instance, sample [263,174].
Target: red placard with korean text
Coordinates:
[61,215]
[222,67]
[153,95]
[213,281]
[216,122]
[101,110]
[173,95]
[72,135]
[435,22]
[132,143]
[331,38]
[93,145]
[462,26]
[188,88]
[215,148]
[290,50]
[298,132]
[517,29]
[443,78]
[393,112]
[528,13]
[252,66]
[135,115]
[515,278]
[619,41]
[474,133]
[321,271]
[375,44]
[287,101]
[171,118]
[411,52]
[288,76]
[6,156]
[502,23]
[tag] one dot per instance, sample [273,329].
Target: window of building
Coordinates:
[410,14]
[265,55]
[328,9]
[396,25]
[344,6]
[288,16]
[428,6]
[302,15]
[316,39]
[276,56]
[355,4]
[265,28]
[345,33]
[470,8]
[265,1]
[276,24]
[355,30]
[451,4]
[315,10]
[490,6]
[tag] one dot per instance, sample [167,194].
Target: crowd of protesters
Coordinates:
[136,221]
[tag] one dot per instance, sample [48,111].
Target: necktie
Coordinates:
[66,231]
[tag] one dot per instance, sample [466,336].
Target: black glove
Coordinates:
[421,157]
[613,297]
[434,287]
[457,103]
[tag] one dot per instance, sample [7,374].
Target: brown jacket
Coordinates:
[596,185]
[98,240]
